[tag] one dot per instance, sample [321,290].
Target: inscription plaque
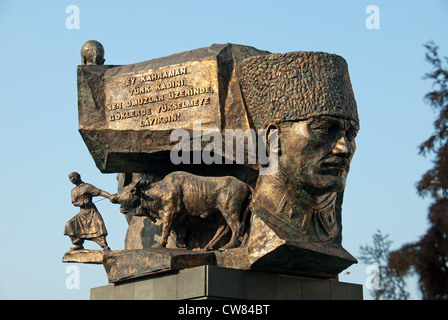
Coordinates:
[164,98]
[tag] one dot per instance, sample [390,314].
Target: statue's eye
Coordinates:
[322,128]
[351,134]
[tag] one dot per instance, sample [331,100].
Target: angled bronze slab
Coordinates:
[127,264]
[84,256]
[126,113]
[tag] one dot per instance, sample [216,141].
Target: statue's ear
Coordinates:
[272,140]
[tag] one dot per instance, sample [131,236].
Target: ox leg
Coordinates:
[167,227]
[221,232]
[169,217]
[234,241]
[179,231]
[234,217]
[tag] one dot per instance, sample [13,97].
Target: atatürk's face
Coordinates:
[316,153]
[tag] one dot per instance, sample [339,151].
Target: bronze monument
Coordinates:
[88,223]
[227,155]
[181,195]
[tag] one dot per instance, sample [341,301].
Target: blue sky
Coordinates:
[40,143]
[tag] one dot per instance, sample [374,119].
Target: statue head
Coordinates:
[92,52]
[74,177]
[309,98]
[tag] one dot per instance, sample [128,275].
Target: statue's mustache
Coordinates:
[338,162]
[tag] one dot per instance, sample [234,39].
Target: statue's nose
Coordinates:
[343,147]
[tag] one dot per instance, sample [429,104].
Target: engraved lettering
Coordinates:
[160,120]
[140,90]
[163,75]
[130,81]
[182,105]
[190,92]
[144,100]
[130,114]
[159,96]
[114,106]
[169,85]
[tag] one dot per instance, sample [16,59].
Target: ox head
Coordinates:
[130,196]
[133,200]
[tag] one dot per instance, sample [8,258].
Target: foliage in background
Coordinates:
[428,256]
[390,285]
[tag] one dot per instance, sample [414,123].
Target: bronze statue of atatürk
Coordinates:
[88,223]
[308,97]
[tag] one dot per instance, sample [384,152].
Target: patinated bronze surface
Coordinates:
[309,97]
[127,113]
[129,264]
[181,196]
[92,53]
[88,223]
[228,212]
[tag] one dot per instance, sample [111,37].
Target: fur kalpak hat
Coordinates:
[296,86]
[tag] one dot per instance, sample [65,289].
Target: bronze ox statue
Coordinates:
[181,194]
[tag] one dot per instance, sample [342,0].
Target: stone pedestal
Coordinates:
[211,282]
